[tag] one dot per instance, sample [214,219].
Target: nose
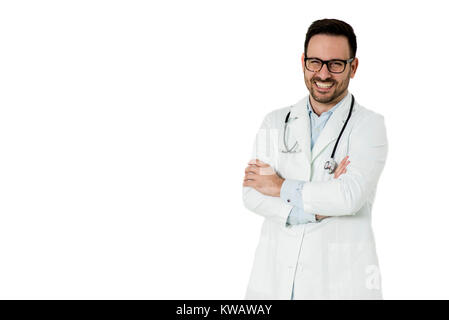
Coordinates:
[323,73]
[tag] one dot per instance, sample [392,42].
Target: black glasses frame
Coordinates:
[325,62]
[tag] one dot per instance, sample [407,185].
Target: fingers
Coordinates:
[341,167]
[249,183]
[252,169]
[250,176]
[251,173]
[319,217]
[259,167]
[258,163]
[343,162]
[340,171]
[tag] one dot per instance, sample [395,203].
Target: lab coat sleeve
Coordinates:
[273,208]
[346,195]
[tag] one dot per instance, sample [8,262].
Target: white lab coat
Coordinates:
[335,258]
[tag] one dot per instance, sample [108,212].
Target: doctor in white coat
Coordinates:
[317,241]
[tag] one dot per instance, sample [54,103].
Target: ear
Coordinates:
[302,61]
[354,66]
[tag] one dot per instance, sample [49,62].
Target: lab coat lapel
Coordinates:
[332,128]
[300,128]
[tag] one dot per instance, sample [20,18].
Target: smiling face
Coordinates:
[328,88]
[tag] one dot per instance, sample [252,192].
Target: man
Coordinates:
[316,240]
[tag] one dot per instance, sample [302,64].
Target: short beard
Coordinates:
[339,89]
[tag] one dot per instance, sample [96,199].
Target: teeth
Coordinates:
[323,84]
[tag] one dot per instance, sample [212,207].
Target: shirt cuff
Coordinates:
[298,216]
[291,193]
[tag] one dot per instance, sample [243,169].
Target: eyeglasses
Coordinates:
[334,65]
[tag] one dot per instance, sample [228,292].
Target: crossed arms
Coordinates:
[343,195]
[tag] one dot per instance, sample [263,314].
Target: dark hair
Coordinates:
[332,27]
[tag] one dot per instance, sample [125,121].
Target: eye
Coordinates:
[337,64]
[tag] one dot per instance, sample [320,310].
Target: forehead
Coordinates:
[328,47]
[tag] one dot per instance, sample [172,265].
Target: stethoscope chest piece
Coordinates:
[330,166]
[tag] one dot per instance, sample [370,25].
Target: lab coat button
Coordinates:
[288,200]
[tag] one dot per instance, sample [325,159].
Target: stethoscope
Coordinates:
[331,164]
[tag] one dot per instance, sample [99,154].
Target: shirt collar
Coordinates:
[330,111]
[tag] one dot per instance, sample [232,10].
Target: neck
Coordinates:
[319,107]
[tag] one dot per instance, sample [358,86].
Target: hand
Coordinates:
[263,178]
[339,171]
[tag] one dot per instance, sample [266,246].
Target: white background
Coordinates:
[125,128]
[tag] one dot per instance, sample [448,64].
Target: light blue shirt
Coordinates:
[291,190]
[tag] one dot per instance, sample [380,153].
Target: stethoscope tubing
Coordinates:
[289,150]
[344,126]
